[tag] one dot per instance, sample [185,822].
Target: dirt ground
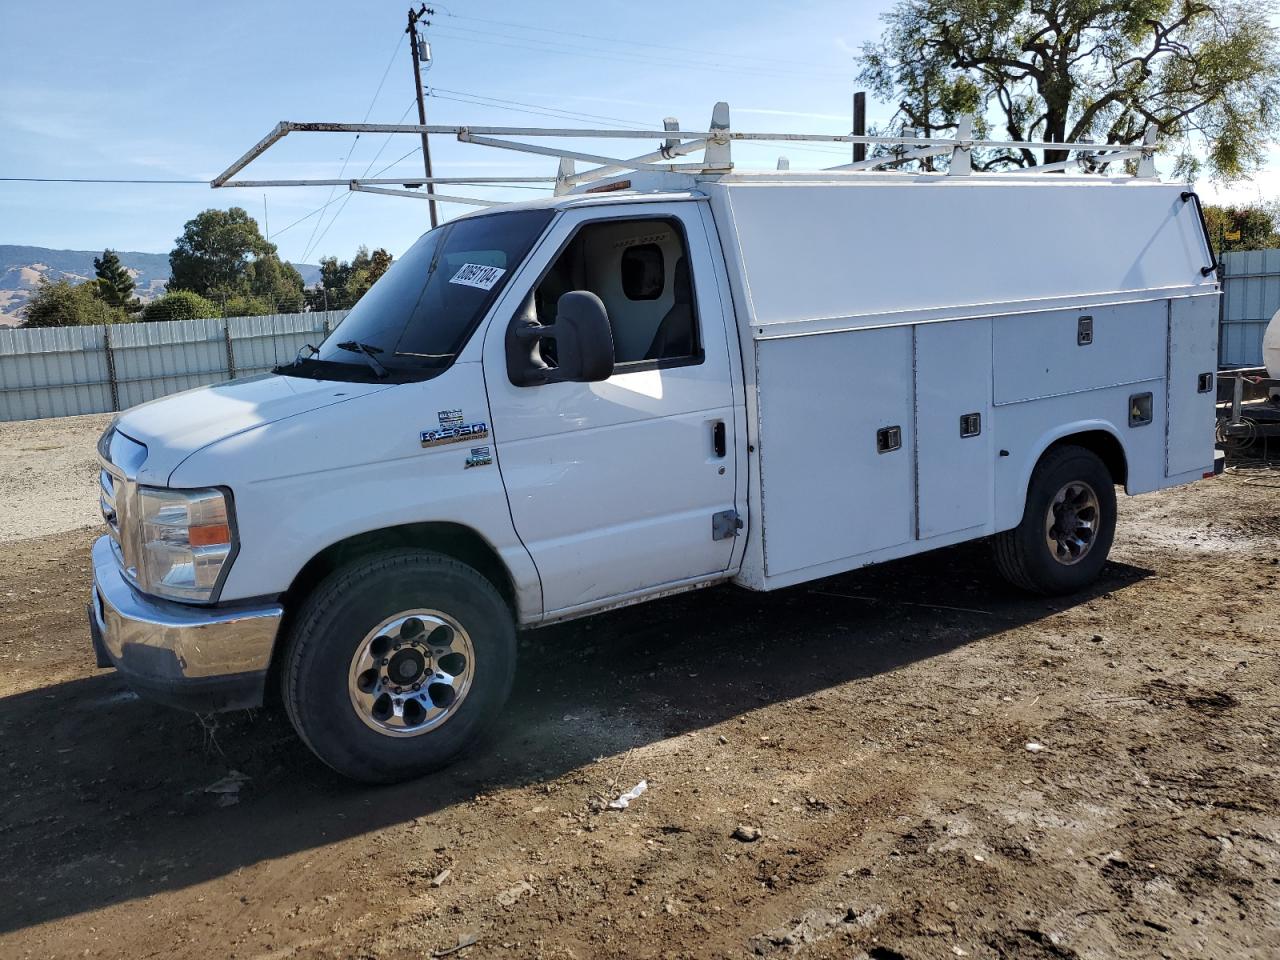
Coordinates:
[877,729]
[49,475]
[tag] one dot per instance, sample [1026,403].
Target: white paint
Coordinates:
[867,246]
[829,308]
[612,485]
[953,473]
[1193,348]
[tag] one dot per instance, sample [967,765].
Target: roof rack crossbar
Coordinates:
[405,181]
[538,149]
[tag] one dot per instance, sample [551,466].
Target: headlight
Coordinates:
[185,540]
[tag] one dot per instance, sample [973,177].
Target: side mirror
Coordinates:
[583,339]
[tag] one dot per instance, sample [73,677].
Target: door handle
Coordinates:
[718,438]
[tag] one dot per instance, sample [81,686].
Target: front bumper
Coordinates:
[198,658]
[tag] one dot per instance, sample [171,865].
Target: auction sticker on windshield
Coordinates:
[478,275]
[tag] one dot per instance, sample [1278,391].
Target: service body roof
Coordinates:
[820,250]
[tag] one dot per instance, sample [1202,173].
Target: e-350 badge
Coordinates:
[466,431]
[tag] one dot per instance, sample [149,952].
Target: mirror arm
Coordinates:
[531,334]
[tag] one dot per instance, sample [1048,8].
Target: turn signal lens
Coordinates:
[208,536]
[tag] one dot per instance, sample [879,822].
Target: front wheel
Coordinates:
[1067,527]
[397,663]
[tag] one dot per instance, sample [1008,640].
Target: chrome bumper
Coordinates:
[197,658]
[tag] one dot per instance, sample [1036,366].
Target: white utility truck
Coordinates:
[664,377]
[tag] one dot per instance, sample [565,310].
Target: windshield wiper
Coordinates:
[369,352]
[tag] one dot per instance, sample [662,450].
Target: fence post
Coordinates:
[231,352]
[111,367]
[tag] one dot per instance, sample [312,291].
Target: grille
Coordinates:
[115,496]
[107,500]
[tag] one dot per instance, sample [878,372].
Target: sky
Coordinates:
[165,91]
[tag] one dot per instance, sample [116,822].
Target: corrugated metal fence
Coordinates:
[63,371]
[1250,297]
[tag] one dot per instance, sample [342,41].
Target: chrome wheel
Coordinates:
[1071,523]
[411,673]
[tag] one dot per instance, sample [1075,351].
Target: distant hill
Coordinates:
[22,267]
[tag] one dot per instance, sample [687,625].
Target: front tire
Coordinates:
[397,663]
[1067,527]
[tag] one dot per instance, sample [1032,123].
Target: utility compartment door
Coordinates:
[1192,391]
[953,426]
[829,490]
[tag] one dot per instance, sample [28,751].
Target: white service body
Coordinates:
[828,309]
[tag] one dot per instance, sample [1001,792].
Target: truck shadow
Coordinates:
[106,797]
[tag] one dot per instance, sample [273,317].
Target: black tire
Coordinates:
[331,626]
[1023,555]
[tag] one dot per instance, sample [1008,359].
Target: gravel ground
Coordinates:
[923,763]
[49,475]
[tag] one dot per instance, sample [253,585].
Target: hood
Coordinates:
[174,427]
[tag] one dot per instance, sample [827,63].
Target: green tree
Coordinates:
[1247,227]
[277,283]
[115,286]
[180,305]
[1206,74]
[61,303]
[345,283]
[222,254]
[247,306]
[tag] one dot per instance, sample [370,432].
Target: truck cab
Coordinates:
[567,405]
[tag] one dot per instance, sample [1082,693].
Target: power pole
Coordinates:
[859,125]
[412,30]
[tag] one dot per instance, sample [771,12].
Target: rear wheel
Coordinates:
[397,663]
[1067,527]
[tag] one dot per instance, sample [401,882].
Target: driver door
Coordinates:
[613,486]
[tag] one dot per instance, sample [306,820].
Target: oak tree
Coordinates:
[1205,73]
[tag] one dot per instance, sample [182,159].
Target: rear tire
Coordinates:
[1067,527]
[397,663]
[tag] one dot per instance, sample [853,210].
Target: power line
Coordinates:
[385,72]
[477,101]
[387,141]
[332,199]
[332,220]
[637,43]
[350,150]
[561,47]
[308,216]
[540,107]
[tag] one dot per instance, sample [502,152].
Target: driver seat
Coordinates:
[674,336]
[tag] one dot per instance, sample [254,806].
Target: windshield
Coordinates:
[418,316]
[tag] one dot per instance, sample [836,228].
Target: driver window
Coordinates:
[640,270]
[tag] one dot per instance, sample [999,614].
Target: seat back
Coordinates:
[674,336]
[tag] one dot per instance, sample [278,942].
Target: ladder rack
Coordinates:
[715,145]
